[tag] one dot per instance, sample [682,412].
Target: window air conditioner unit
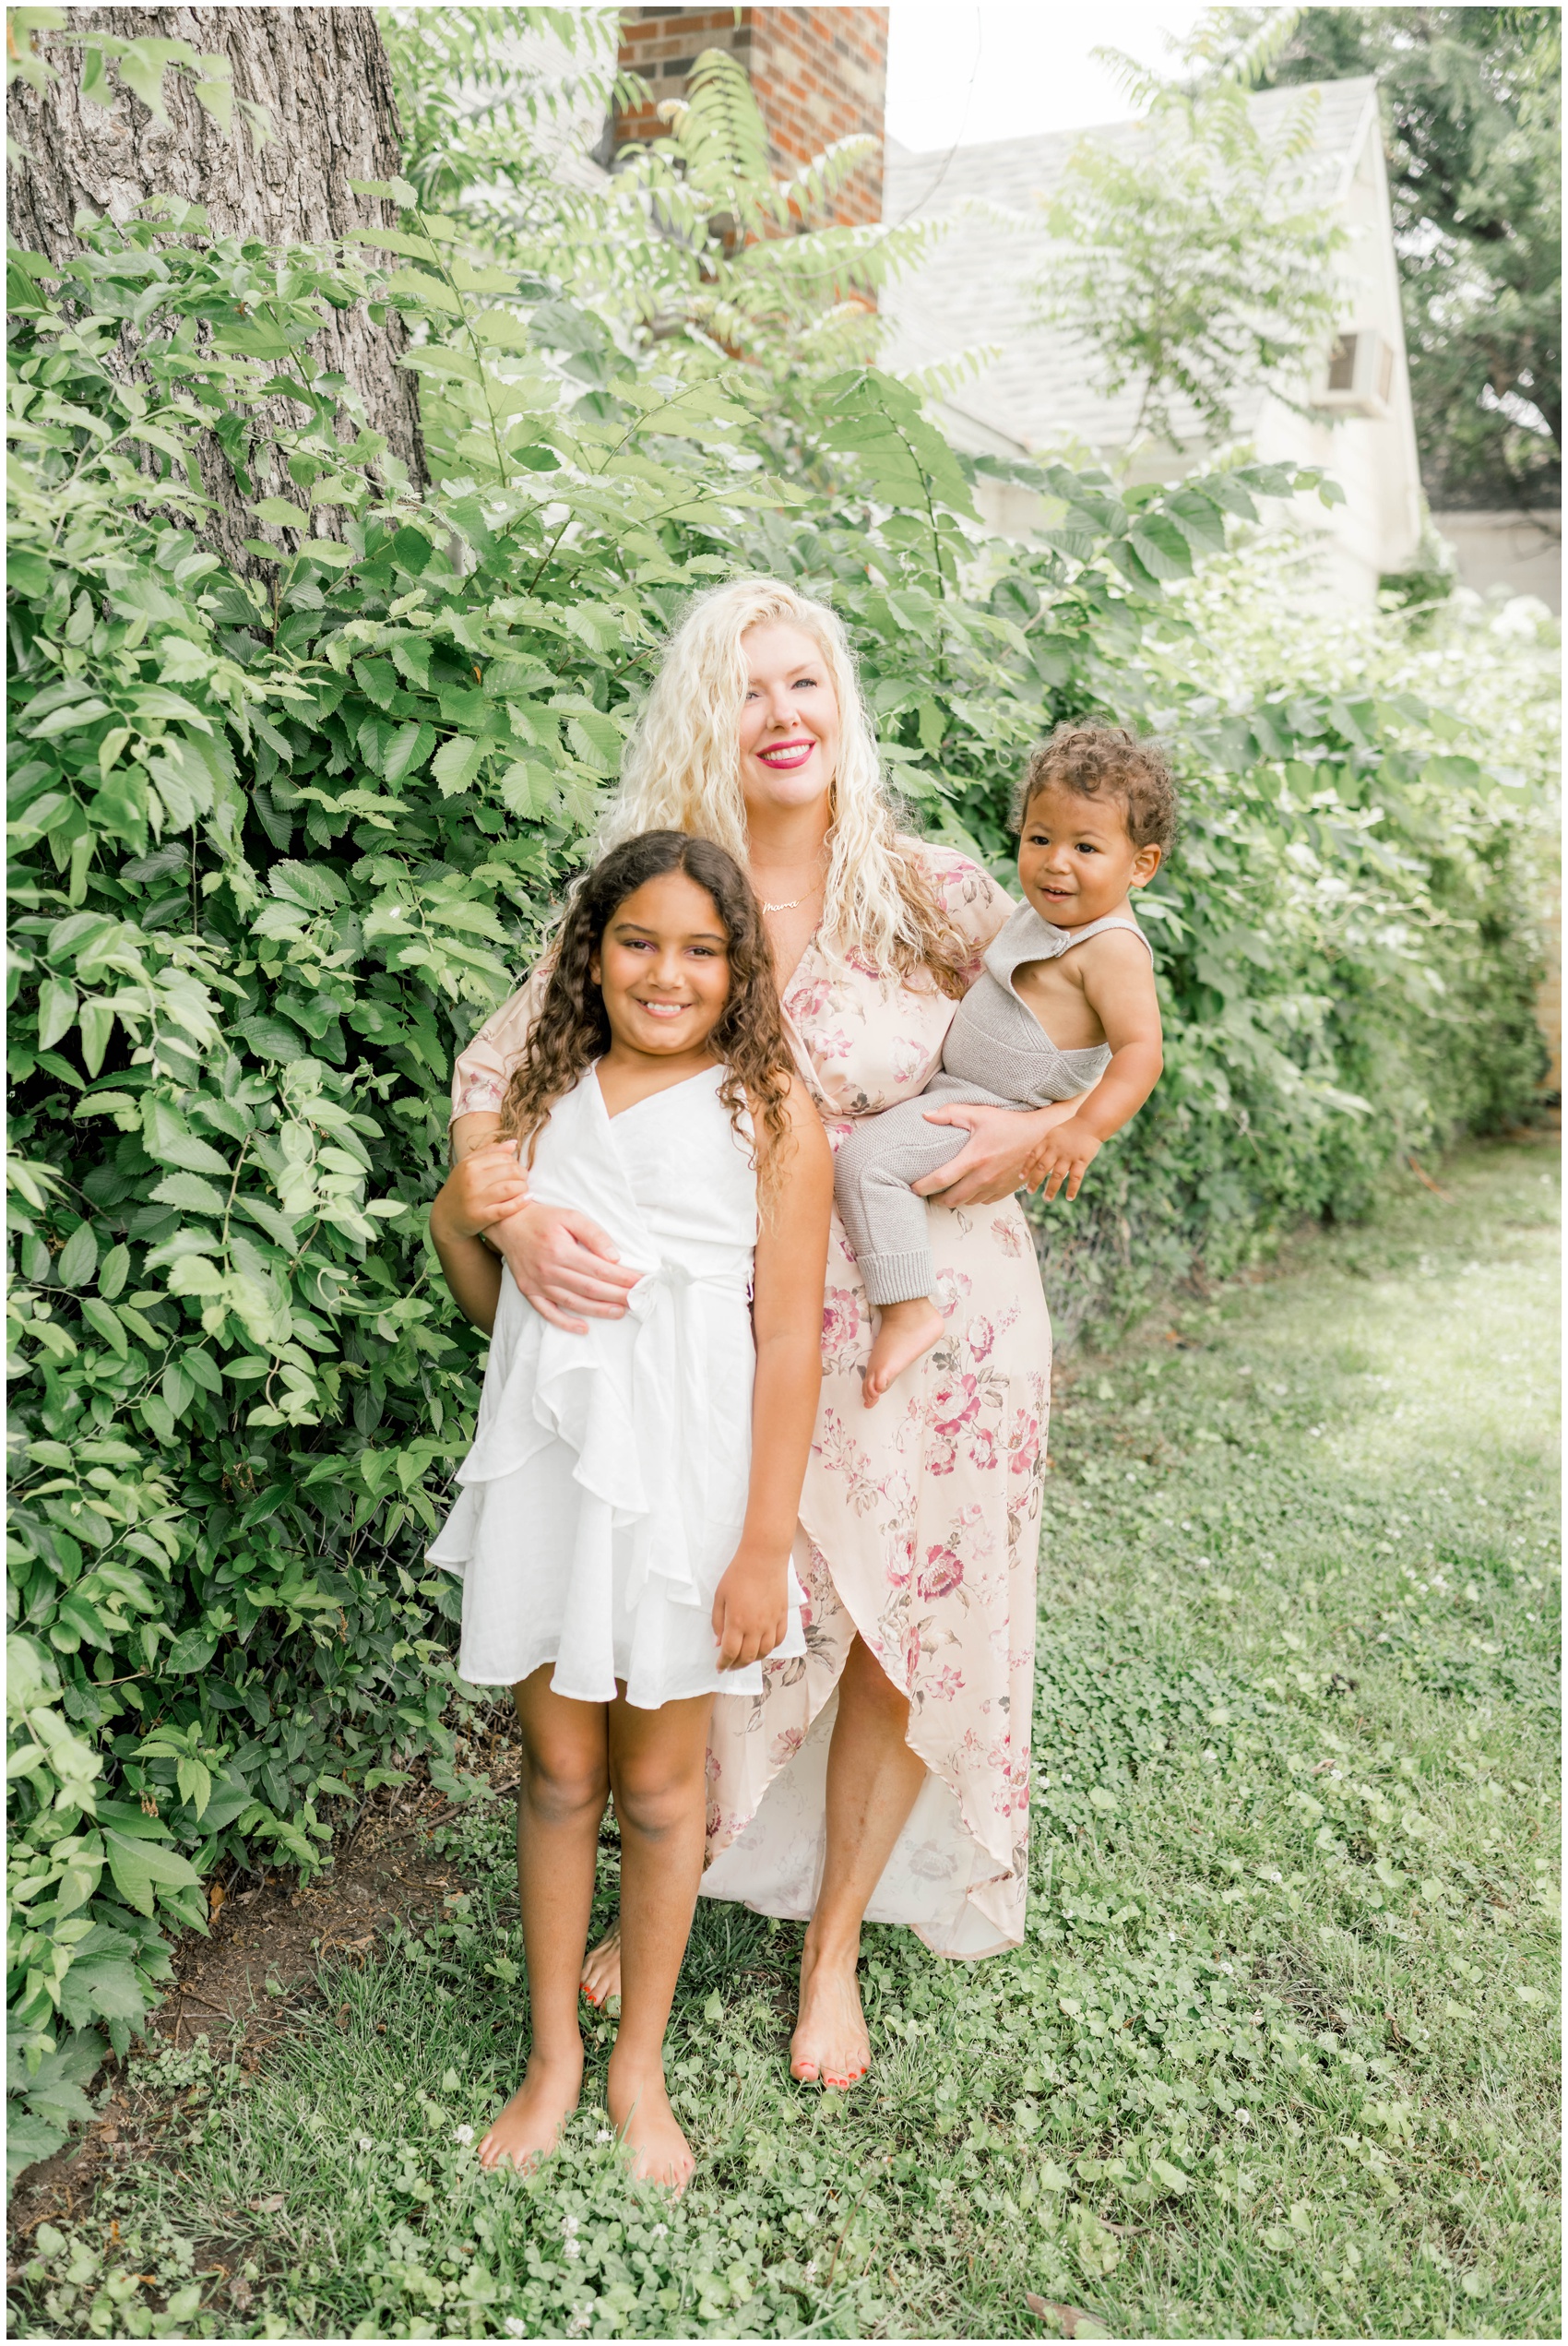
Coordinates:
[1357,376]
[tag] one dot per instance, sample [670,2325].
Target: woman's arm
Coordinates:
[561,1260]
[1002,1155]
[751,1608]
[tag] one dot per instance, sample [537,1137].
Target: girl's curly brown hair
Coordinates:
[572,1030]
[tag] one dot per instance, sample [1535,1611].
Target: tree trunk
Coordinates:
[323,77]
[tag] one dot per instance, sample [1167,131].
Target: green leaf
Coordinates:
[189,1192]
[503,330]
[97,1025]
[272,1039]
[409,746]
[142,1868]
[1161,547]
[190,1653]
[67,720]
[418,288]
[195,1783]
[103,1988]
[456,762]
[195,1156]
[77,1258]
[391,190]
[103,1317]
[56,1012]
[29,2139]
[114,1271]
[157,1413]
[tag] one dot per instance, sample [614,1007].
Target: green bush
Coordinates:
[282,838]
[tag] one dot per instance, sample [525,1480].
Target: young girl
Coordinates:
[628,1506]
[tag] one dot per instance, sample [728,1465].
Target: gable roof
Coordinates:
[973,288]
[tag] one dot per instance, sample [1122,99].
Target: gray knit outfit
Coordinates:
[996,1055]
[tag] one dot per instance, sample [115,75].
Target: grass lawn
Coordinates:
[1278,2056]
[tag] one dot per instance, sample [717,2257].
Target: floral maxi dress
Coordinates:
[919,1520]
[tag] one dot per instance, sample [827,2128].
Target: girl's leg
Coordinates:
[874,1779]
[659,1770]
[566,1782]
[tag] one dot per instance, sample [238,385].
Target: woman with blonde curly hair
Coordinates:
[884,1775]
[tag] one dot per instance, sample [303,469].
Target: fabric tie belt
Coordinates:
[672,1415]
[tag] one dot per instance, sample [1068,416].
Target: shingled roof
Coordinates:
[973,289]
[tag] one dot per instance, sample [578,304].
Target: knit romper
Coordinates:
[996,1055]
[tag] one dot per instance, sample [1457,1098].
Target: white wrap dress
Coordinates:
[605,1493]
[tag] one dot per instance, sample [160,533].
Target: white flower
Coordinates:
[365,2143]
[463,2134]
[515,2326]
[570,2225]
[574,2248]
[659,2230]
[1244,2117]
[577,2325]
[603,2135]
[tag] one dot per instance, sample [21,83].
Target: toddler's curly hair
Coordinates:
[1105,761]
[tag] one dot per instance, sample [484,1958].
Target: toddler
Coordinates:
[1066,1005]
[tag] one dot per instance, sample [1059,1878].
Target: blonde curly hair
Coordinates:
[682,771]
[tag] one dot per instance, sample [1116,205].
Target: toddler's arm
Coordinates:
[751,1608]
[1120,990]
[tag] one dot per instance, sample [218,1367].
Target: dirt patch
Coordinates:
[247,1982]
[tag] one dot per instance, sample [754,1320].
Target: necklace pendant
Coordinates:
[788,906]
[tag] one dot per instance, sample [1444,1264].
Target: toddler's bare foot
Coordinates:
[602,1968]
[904,1332]
[830,2045]
[640,2109]
[530,2127]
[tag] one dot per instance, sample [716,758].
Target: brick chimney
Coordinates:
[819,73]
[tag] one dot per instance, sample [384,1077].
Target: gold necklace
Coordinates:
[793,903]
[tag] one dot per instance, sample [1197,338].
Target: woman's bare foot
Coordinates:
[640,2111]
[602,1968]
[530,2127]
[904,1332]
[830,2045]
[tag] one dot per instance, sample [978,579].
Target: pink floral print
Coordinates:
[921,1519]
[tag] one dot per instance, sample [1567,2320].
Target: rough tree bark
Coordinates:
[323,77]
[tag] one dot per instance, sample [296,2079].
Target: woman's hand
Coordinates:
[1002,1155]
[564,1264]
[751,1611]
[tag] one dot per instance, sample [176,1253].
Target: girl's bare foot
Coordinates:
[904,1332]
[602,1968]
[530,2127]
[640,2109]
[830,2045]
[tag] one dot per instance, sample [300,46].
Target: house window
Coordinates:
[1342,364]
[1357,373]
